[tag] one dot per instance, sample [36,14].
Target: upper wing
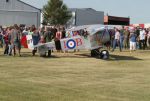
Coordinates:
[92,29]
[77,28]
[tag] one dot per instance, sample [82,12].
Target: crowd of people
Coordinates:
[11,37]
[124,38]
[130,38]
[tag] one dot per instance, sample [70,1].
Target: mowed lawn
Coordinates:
[75,77]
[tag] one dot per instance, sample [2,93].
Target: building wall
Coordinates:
[16,12]
[89,16]
[8,18]
[114,20]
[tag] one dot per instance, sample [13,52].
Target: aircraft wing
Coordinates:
[43,47]
[50,45]
[77,28]
[92,29]
[76,42]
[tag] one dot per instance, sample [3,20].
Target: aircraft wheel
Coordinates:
[104,54]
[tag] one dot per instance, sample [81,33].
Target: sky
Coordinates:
[137,10]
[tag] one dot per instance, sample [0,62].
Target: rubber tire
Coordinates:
[102,56]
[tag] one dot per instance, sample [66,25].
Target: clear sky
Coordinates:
[137,10]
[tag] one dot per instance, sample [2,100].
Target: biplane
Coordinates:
[94,39]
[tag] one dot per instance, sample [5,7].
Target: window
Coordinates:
[7,0]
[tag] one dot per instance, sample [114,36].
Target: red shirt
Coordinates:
[6,38]
[58,35]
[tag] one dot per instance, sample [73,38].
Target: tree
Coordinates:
[55,12]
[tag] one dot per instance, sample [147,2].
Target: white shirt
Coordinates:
[117,35]
[142,34]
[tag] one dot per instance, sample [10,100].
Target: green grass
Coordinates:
[69,77]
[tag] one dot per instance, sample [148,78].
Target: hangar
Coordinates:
[18,12]
[86,16]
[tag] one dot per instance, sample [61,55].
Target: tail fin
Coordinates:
[27,42]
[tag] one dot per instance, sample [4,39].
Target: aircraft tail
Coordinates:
[27,42]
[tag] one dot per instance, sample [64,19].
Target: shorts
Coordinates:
[132,45]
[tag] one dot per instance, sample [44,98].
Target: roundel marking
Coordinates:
[71,44]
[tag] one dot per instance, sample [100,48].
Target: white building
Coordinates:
[22,12]
[18,12]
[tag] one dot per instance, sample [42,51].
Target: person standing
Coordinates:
[54,31]
[116,40]
[121,38]
[142,39]
[63,33]
[9,42]
[48,36]
[148,39]
[126,38]
[36,39]
[132,41]
[57,40]
[137,32]
[6,41]
[146,33]
[15,40]
[112,37]
[1,37]
[25,31]
[30,31]
[41,32]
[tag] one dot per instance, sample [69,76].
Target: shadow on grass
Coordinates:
[26,55]
[121,58]
[84,55]
[113,57]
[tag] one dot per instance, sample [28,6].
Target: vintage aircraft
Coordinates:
[94,39]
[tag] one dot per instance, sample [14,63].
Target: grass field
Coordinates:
[70,77]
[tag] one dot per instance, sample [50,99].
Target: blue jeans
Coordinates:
[121,43]
[115,43]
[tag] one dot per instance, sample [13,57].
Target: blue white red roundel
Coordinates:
[71,44]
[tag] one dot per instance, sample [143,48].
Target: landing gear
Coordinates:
[104,54]
[44,54]
[49,53]
[95,53]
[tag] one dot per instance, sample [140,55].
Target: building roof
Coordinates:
[75,9]
[33,3]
